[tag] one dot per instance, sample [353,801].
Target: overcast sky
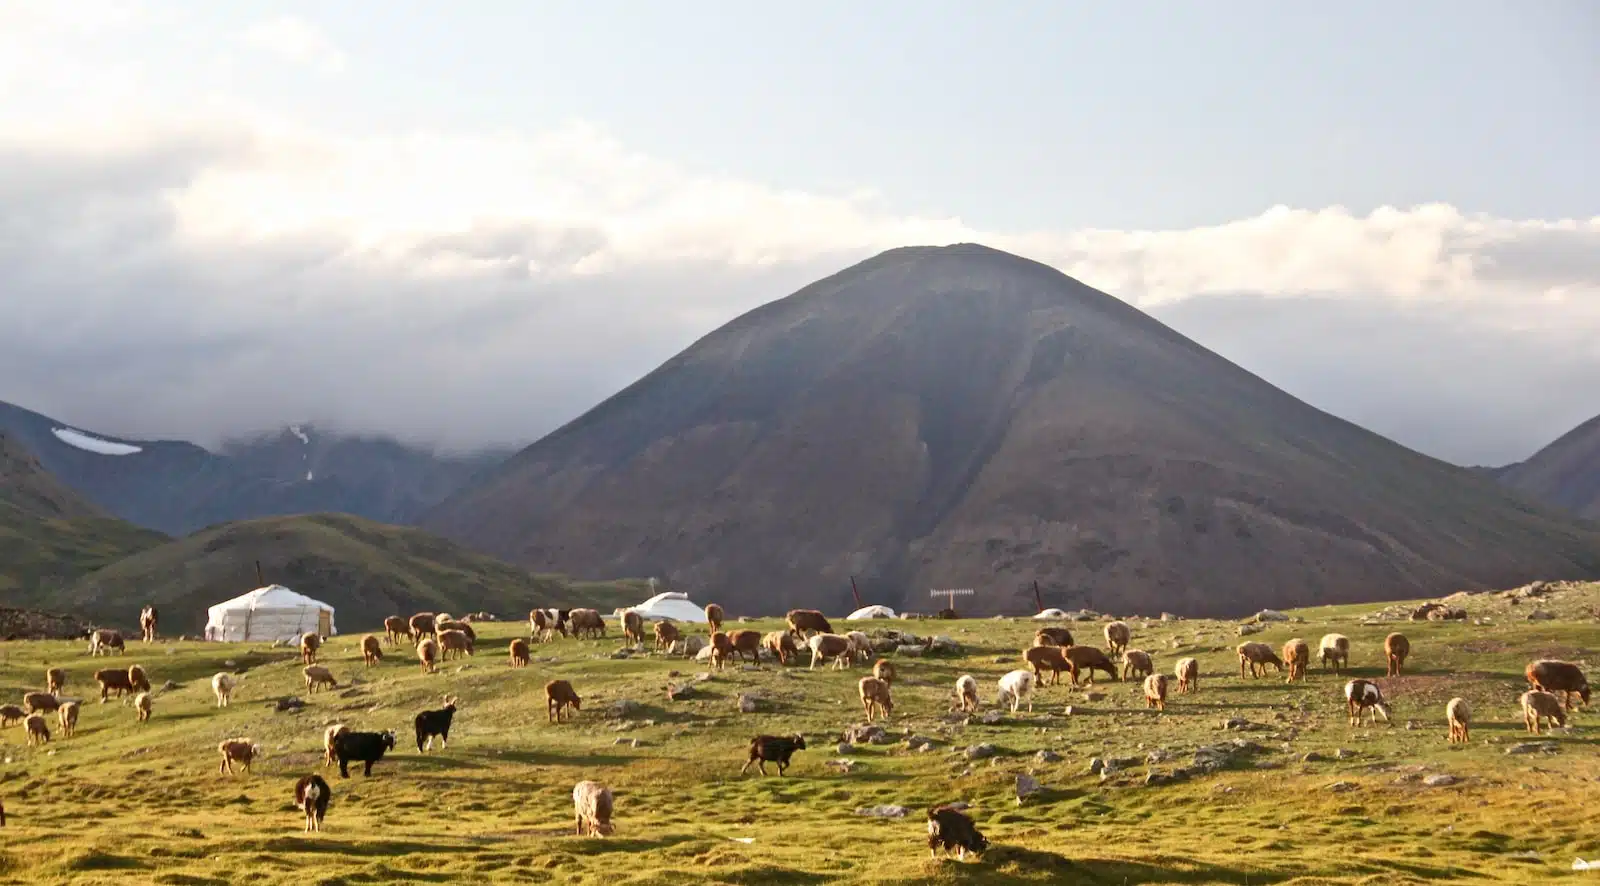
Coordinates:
[467,223]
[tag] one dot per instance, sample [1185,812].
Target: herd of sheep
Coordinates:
[439,637]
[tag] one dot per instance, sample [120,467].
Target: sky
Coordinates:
[465,224]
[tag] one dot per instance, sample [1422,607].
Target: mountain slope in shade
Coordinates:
[1565,474]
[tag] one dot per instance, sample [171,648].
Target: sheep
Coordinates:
[781,644]
[103,640]
[1297,656]
[805,622]
[586,622]
[371,650]
[44,702]
[38,730]
[666,634]
[883,669]
[431,723]
[1258,656]
[1396,647]
[558,696]
[1155,691]
[1188,673]
[1136,663]
[67,718]
[439,618]
[11,714]
[746,643]
[592,803]
[777,749]
[714,617]
[966,693]
[112,679]
[860,646]
[1117,636]
[148,618]
[1016,686]
[1087,660]
[363,747]
[721,649]
[237,750]
[1359,695]
[520,654]
[395,627]
[453,641]
[1335,648]
[829,646]
[143,704]
[1538,705]
[222,687]
[55,679]
[1052,637]
[310,642]
[311,796]
[875,697]
[318,676]
[1052,657]
[137,679]
[632,627]
[1459,716]
[421,625]
[464,627]
[949,827]
[1559,678]
[428,654]
[329,736]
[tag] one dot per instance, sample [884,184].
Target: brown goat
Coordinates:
[1052,637]
[805,622]
[456,642]
[558,696]
[1052,657]
[1559,678]
[37,702]
[1136,663]
[714,617]
[137,679]
[395,627]
[667,633]
[746,643]
[875,697]
[371,650]
[1258,656]
[520,655]
[237,750]
[12,714]
[1396,647]
[632,627]
[38,730]
[421,625]
[721,649]
[310,642]
[143,705]
[1155,691]
[1297,657]
[781,644]
[1087,659]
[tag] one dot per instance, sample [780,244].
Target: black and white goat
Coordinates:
[1362,695]
[948,827]
[311,795]
[432,723]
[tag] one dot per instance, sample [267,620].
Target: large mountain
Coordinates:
[178,487]
[1565,474]
[961,417]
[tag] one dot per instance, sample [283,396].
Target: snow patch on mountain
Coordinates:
[88,443]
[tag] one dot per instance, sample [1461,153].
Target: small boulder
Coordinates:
[1026,787]
[1440,781]
[989,718]
[1342,787]
[845,749]
[883,811]
[980,751]
[621,708]
[1313,757]
[1267,615]
[1247,629]
[909,651]
[1540,615]
[1345,754]
[1534,747]
[1047,756]
[747,703]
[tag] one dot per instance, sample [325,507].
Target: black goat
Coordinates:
[773,748]
[362,747]
[949,827]
[431,723]
[311,794]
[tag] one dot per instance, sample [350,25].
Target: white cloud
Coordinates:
[298,41]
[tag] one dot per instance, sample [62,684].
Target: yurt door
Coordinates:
[324,623]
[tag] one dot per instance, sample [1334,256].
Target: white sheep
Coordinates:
[592,801]
[222,687]
[966,693]
[1015,687]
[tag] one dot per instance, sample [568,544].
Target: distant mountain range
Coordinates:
[1566,473]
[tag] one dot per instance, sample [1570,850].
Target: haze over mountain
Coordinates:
[959,416]
[1566,473]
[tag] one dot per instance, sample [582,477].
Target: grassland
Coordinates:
[123,802]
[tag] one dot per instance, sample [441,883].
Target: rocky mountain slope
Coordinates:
[961,417]
[1565,474]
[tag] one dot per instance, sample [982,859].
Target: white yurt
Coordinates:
[1051,613]
[270,613]
[672,604]
[867,612]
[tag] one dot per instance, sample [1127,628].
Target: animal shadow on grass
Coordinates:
[432,761]
[1097,871]
[612,845]
[361,847]
[551,758]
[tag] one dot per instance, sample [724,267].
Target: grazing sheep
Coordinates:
[860,646]
[362,747]
[721,649]
[371,650]
[1538,705]
[317,677]
[1155,691]
[428,654]
[310,642]
[875,697]
[777,749]
[112,679]
[781,644]
[453,641]
[632,627]
[1188,673]
[148,617]
[714,617]
[237,750]
[1335,648]
[747,644]
[1361,695]
[55,679]
[222,687]
[1016,686]
[137,679]
[143,705]
[829,646]
[586,622]
[1396,647]
[421,625]
[11,714]
[395,627]
[103,640]
[949,827]
[1052,657]
[1087,660]
[38,730]
[311,796]
[439,618]
[1136,663]
[1117,636]
[1297,656]
[1258,656]
[329,735]
[558,696]
[805,622]
[520,654]
[1052,637]
[966,693]
[67,718]
[592,803]
[431,723]
[1559,678]
[1459,716]
[883,669]
[44,702]
[454,625]
[667,633]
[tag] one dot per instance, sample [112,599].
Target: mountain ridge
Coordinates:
[1565,473]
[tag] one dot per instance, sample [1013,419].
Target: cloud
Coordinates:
[298,41]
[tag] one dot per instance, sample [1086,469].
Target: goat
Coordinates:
[38,730]
[363,747]
[883,669]
[1297,657]
[875,697]
[777,749]
[317,677]
[1538,705]
[456,642]
[746,643]
[310,642]
[67,718]
[428,654]
[667,633]
[44,702]
[311,796]
[1016,686]
[1052,637]
[592,803]
[966,693]
[143,705]
[103,640]
[829,646]
[1335,648]
[55,680]
[11,714]
[222,687]
[805,622]
[395,627]
[781,644]
[147,623]
[1188,673]
[520,654]
[949,827]
[586,622]
[112,679]
[329,736]
[431,723]
[1088,659]
[714,617]
[1258,656]
[242,751]
[1360,695]
[371,650]
[1117,636]
[1155,691]
[558,696]
[633,627]
[1396,647]
[1459,716]
[1136,663]
[1559,678]
[1052,657]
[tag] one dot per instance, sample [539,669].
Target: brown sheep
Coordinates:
[714,617]
[44,702]
[558,696]
[112,679]
[1537,706]
[318,676]
[137,679]
[456,625]
[310,642]
[1297,657]
[456,642]
[428,654]
[1052,637]
[421,625]
[781,644]
[875,697]
[805,622]
[1188,674]
[329,736]
[1155,691]
[666,634]
[395,627]
[1396,647]
[632,627]
[1335,648]
[1052,657]
[1087,660]
[143,706]
[55,680]
[746,643]
[371,650]
[520,655]
[1136,663]
[1117,636]
[38,730]
[824,646]
[586,622]
[1459,716]
[721,649]
[237,750]
[1258,656]
[67,718]
[883,669]
[11,714]
[1559,678]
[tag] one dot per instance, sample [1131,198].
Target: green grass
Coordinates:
[123,802]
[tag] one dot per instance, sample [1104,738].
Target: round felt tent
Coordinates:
[270,613]
[672,604]
[867,612]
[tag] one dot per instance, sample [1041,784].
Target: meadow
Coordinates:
[123,802]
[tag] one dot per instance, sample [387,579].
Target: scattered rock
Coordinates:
[168,686]
[1540,615]
[1027,786]
[704,654]
[1167,616]
[919,742]
[1093,696]
[1159,755]
[1152,779]
[980,751]
[944,646]
[621,708]
[747,703]
[287,704]
[1534,747]
[1069,710]
[1342,787]
[1313,757]
[1440,781]
[866,734]
[845,749]
[1047,756]
[1210,758]
[1247,629]
[989,718]
[1267,615]
[1237,724]
[1345,753]
[1413,725]
[909,651]
[883,811]
[1001,659]
[622,653]
[845,766]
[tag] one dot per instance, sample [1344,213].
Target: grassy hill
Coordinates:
[365,570]
[123,802]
